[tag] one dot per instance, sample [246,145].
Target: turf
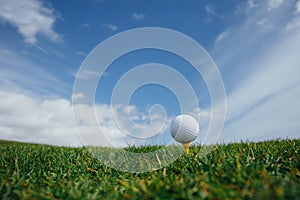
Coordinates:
[266,170]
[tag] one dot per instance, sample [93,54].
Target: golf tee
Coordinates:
[186,147]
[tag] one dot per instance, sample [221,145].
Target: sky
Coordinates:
[254,44]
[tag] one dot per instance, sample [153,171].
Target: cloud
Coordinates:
[294,23]
[77,96]
[272,4]
[138,16]
[252,4]
[261,74]
[210,9]
[31,18]
[110,27]
[222,36]
[81,53]
[297,7]
[268,5]
[28,119]
[265,25]
[18,71]
[87,74]
[251,28]
[50,120]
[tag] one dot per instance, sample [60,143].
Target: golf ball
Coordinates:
[184,128]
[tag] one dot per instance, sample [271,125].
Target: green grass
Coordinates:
[266,170]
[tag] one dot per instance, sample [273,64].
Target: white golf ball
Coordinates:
[184,128]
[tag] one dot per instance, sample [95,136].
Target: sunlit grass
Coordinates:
[266,170]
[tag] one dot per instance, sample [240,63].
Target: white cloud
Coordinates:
[110,26]
[222,36]
[50,120]
[81,53]
[261,73]
[265,25]
[201,115]
[210,9]
[24,118]
[252,4]
[31,18]
[87,74]
[250,29]
[294,24]
[77,96]
[297,7]
[272,4]
[16,70]
[281,64]
[138,16]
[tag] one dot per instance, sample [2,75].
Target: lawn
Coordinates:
[265,170]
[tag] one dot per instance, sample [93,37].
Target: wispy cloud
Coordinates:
[252,4]
[110,26]
[86,74]
[138,16]
[264,89]
[268,5]
[294,23]
[265,25]
[297,7]
[31,18]
[81,53]
[210,9]
[17,70]
[222,36]
[272,4]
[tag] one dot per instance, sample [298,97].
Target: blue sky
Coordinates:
[255,45]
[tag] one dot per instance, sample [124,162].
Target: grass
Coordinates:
[266,170]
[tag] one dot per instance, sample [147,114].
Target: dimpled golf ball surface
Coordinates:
[184,128]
